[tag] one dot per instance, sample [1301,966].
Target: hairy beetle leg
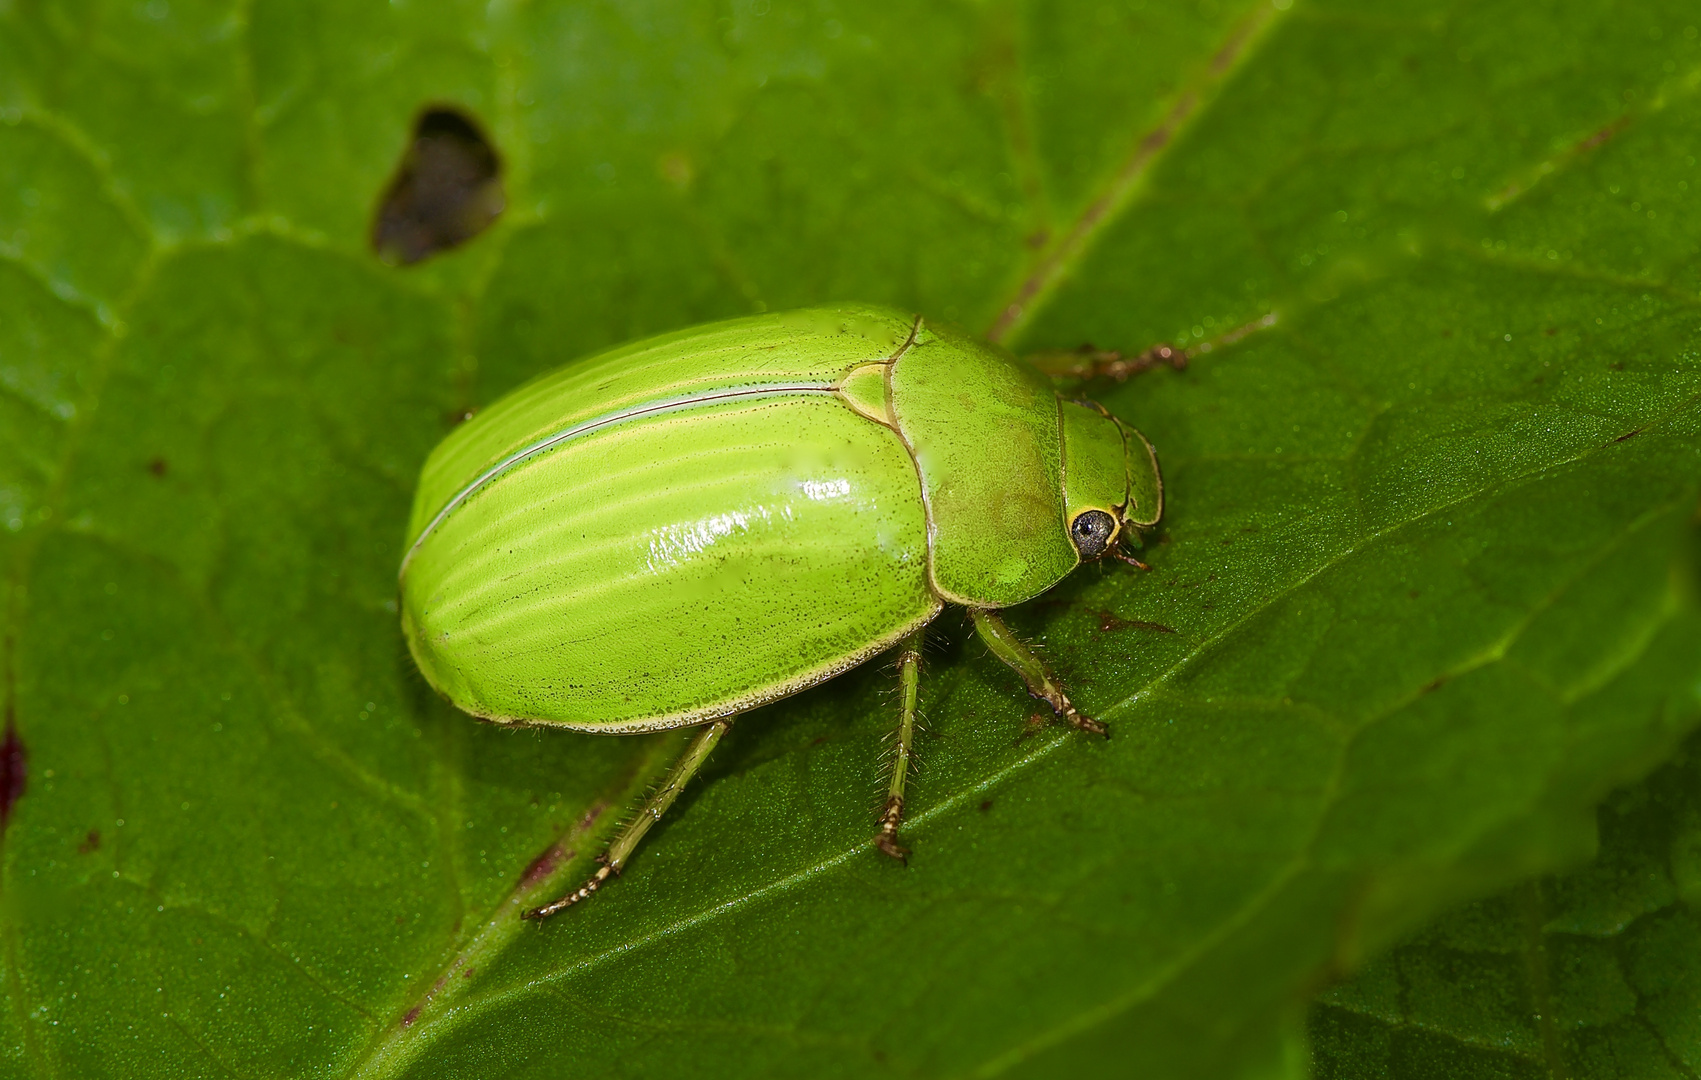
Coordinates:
[1041,683]
[909,682]
[614,860]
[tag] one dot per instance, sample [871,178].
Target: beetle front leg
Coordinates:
[1041,683]
[614,859]
[909,682]
[1089,362]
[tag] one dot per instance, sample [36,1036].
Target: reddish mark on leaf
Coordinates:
[467,974]
[412,1015]
[1109,621]
[91,842]
[1433,684]
[1036,723]
[985,805]
[1601,136]
[14,771]
[1627,436]
[157,466]
[591,815]
[544,865]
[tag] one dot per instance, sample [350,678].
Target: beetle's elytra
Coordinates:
[687,527]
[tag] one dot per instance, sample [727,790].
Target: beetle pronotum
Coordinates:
[687,527]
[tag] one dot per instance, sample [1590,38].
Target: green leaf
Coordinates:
[1589,975]
[1425,589]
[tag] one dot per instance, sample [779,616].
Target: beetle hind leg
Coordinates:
[614,860]
[1041,682]
[892,813]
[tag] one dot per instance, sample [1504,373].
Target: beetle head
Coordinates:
[1111,487]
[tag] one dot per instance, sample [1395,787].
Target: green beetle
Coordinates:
[694,525]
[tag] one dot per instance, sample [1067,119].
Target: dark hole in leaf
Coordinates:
[14,772]
[447,189]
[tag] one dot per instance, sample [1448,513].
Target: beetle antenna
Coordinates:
[1117,552]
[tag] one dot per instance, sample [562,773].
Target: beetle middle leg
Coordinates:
[909,682]
[614,859]
[1041,682]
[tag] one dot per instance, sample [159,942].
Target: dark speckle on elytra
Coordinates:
[157,466]
[91,842]
[14,771]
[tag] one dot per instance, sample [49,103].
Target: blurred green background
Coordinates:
[1425,594]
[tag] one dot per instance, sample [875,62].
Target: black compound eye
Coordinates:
[1091,532]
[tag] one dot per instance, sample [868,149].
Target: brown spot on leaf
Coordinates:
[157,465]
[14,771]
[90,843]
[986,804]
[544,865]
[1599,137]
[447,189]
